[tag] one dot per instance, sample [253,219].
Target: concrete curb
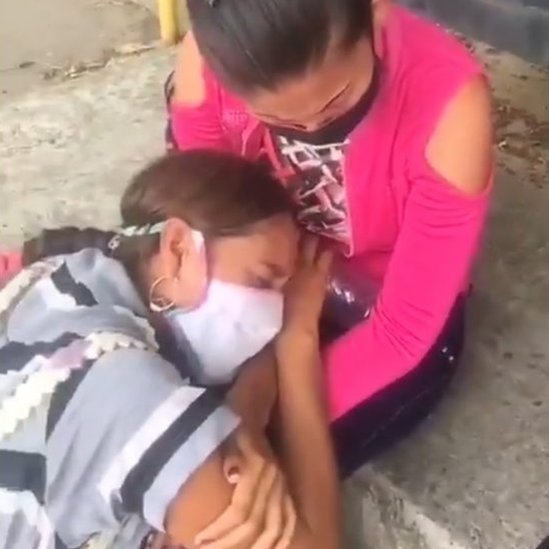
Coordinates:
[380,516]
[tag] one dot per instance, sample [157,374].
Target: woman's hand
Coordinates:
[261,514]
[306,291]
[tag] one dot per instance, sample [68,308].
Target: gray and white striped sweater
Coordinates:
[114,429]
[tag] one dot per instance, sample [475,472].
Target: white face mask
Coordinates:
[231,325]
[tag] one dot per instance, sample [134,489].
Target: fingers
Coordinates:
[249,528]
[324,262]
[290,526]
[253,470]
[309,249]
[263,497]
[313,253]
[274,520]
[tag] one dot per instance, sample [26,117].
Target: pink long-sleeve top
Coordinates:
[411,231]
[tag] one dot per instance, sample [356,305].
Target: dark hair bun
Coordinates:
[64,241]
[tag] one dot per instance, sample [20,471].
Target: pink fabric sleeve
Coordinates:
[10,265]
[428,269]
[199,126]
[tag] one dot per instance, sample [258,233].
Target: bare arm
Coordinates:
[253,508]
[307,454]
[256,506]
[239,507]
[306,459]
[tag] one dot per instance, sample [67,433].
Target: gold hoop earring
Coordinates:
[162,304]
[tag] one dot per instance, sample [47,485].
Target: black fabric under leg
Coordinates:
[390,415]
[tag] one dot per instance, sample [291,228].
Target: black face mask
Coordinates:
[338,129]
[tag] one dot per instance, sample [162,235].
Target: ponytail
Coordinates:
[67,240]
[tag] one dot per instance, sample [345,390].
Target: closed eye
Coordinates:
[261,283]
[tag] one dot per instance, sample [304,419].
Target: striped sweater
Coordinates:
[97,430]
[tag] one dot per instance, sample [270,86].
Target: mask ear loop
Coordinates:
[200,245]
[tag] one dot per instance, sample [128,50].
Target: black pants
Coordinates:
[390,415]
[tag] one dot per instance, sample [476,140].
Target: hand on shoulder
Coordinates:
[306,291]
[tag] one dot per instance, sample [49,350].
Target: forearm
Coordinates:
[306,444]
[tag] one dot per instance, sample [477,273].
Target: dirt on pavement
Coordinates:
[41,41]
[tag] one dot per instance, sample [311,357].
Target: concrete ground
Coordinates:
[46,41]
[475,476]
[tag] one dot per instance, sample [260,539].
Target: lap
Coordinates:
[383,419]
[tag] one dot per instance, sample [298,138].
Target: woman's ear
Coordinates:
[174,243]
[176,236]
[185,259]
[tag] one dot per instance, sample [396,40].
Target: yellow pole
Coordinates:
[169,24]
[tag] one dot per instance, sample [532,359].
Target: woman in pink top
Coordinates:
[379,122]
